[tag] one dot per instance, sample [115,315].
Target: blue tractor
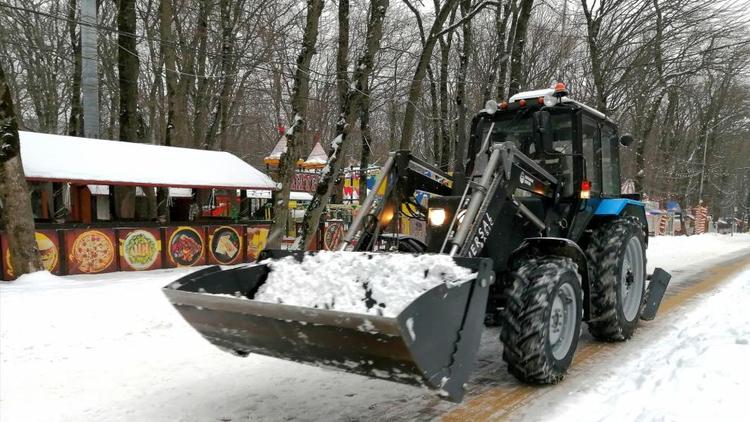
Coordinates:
[535,210]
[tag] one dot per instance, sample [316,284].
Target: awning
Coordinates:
[293,195]
[173,192]
[101,162]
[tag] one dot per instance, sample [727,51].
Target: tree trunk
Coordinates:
[459,152]
[519,42]
[640,151]
[503,74]
[431,125]
[499,56]
[415,88]
[76,119]
[352,106]
[364,128]
[217,138]
[166,14]
[342,54]
[16,217]
[127,66]
[200,117]
[288,161]
[445,138]
[593,26]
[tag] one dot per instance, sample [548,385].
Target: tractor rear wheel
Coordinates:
[616,256]
[542,319]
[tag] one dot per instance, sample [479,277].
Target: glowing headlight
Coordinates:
[436,216]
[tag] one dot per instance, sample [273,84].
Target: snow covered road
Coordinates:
[110,347]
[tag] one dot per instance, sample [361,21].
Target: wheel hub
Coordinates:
[562,321]
[632,279]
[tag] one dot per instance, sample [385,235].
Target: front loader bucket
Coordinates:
[432,342]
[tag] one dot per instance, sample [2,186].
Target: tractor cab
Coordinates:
[575,143]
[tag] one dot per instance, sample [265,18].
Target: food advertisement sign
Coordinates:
[225,245]
[48,243]
[185,246]
[256,241]
[334,232]
[140,249]
[90,251]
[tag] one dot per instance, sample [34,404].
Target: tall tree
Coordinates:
[127,67]
[288,160]
[76,116]
[415,87]
[16,216]
[467,42]
[519,42]
[351,109]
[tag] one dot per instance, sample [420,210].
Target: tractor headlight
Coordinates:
[436,216]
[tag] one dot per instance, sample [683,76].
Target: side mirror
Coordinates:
[626,139]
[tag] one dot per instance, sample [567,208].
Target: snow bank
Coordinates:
[375,284]
[697,371]
[685,253]
[39,277]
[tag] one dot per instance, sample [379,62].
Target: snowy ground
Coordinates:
[697,371]
[110,347]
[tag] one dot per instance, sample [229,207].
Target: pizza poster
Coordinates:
[90,251]
[48,243]
[139,249]
[257,236]
[185,246]
[225,245]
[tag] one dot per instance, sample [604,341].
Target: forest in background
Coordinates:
[221,74]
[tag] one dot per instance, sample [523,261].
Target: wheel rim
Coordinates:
[631,279]
[562,320]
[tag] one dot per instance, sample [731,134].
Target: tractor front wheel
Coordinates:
[542,319]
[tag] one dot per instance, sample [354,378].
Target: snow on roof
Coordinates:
[95,161]
[279,149]
[317,156]
[532,94]
[549,99]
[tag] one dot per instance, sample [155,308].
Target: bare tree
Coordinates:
[15,217]
[350,113]
[415,88]
[288,161]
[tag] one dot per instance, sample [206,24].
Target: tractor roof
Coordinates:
[549,99]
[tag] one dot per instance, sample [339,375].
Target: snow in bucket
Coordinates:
[366,283]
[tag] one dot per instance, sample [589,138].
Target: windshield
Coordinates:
[518,128]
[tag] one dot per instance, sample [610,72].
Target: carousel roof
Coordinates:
[317,157]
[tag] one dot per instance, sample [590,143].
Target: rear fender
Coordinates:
[540,246]
[621,207]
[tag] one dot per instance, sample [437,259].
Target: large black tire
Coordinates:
[616,292]
[533,319]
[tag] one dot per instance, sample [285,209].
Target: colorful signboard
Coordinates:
[139,249]
[256,240]
[185,246]
[90,251]
[48,243]
[334,232]
[225,245]
[305,182]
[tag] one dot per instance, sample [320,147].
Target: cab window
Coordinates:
[591,151]
[610,162]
